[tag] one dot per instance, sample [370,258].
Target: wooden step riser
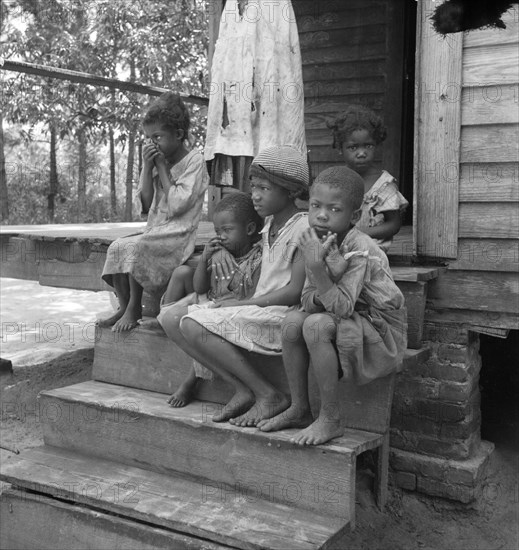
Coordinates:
[148,360]
[79,527]
[230,462]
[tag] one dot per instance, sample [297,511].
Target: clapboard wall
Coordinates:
[481,285]
[352,52]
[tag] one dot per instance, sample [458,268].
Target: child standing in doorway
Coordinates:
[357,132]
[237,226]
[220,338]
[354,323]
[173,182]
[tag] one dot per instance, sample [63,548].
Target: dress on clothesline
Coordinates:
[169,237]
[368,309]
[256,98]
[382,197]
[252,327]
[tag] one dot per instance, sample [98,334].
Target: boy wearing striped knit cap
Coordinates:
[218,338]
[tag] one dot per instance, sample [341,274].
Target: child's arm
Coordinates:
[337,298]
[202,276]
[149,153]
[389,227]
[289,295]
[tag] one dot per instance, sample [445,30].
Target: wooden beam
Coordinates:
[437,138]
[86,78]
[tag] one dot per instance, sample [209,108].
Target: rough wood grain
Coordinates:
[138,428]
[211,512]
[490,105]
[486,37]
[490,182]
[437,138]
[487,255]
[489,221]
[488,65]
[471,318]
[77,527]
[491,143]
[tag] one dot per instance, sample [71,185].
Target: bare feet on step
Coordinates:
[110,321]
[263,408]
[321,431]
[128,320]
[290,418]
[150,323]
[184,394]
[240,402]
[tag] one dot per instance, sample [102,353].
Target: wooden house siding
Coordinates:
[352,52]
[481,286]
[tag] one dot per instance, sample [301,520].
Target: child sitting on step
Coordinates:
[357,132]
[220,338]
[237,226]
[353,325]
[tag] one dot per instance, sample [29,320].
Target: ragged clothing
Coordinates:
[382,197]
[367,307]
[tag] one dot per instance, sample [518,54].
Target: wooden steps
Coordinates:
[138,428]
[224,517]
[148,360]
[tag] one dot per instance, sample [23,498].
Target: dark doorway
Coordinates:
[499,386]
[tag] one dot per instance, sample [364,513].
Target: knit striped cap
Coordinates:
[284,166]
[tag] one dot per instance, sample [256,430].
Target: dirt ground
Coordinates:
[410,521]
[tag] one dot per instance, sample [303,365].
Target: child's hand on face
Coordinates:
[312,248]
[211,247]
[334,260]
[151,154]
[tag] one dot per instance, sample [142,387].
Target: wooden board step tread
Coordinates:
[174,503]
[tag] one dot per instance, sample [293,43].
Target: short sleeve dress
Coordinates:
[169,237]
[382,197]
[257,328]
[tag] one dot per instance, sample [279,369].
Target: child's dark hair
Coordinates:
[345,179]
[169,111]
[357,117]
[241,206]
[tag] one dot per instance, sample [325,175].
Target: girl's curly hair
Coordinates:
[357,117]
[169,111]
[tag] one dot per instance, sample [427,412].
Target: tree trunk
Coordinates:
[4,199]
[128,207]
[82,175]
[53,179]
[113,194]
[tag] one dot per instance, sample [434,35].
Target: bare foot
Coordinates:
[110,321]
[263,408]
[128,320]
[150,323]
[184,394]
[321,431]
[240,402]
[291,418]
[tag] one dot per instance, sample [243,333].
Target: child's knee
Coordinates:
[182,273]
[319,328]
[292,326]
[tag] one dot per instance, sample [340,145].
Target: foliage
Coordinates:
[164,40]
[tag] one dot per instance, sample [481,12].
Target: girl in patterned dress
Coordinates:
[173,182]
[219,338]
[357,132]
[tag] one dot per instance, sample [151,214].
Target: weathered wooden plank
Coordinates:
[491,143]
[472,318]
[323,7]
[489,220]
[487,255]
[486,65]
[412,274]
[490,105]
[487,37]
[209,511]
[332,108]
[437,121]
[80,527]
[345,70]
[368,14]
[473,290]
[138,428]
[368,34]
[361,52]
[328,90]
[491,182]
[415,296]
